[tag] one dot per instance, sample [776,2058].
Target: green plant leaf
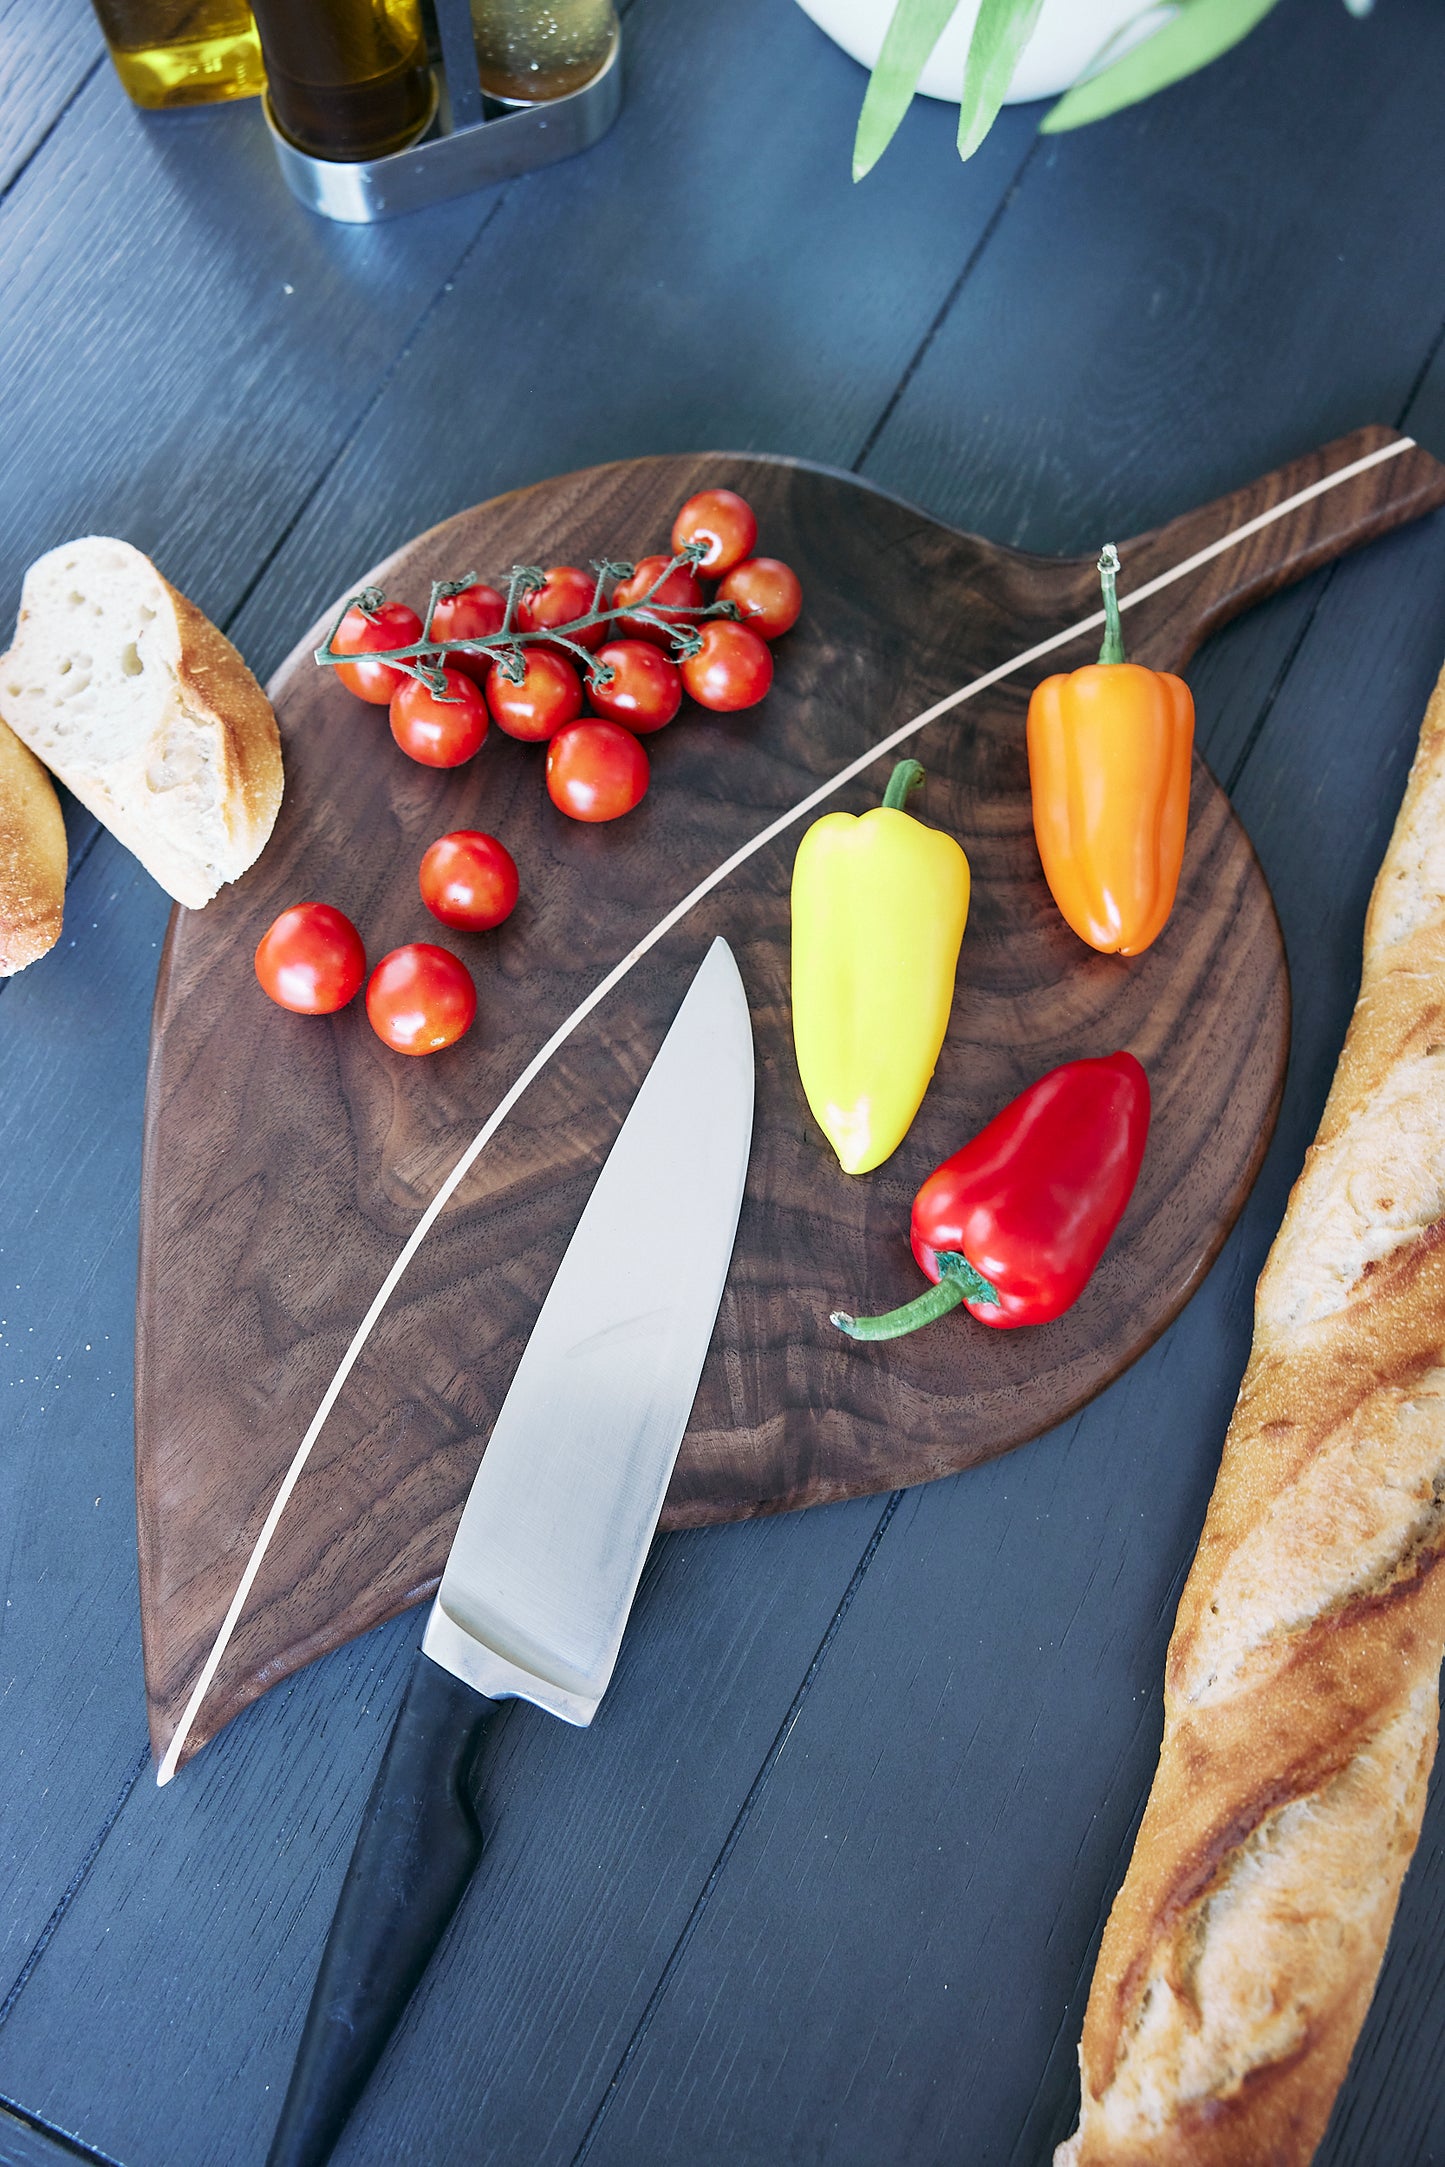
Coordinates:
[916,28]
[1003,29]
[1199,33]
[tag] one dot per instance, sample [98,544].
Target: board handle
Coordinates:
[1275,531]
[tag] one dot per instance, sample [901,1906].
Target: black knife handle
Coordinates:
[414,1856]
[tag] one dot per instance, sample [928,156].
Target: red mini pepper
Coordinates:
[1013,1225]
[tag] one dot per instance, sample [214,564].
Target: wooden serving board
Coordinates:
[287,1159]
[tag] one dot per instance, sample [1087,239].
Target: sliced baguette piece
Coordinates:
[146,712]
[32,857]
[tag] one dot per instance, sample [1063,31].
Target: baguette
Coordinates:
[32,857]
[1301,1699]
[146,712]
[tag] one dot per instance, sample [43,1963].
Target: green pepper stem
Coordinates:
[1113,647]
[958,1281]
[904,780]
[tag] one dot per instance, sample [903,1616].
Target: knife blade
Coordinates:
[540,1579]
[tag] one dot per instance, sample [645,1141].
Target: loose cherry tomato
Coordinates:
[362,632]
[474,614]
[549,695]
[595,770]
[767,592]
[679,591]
[567,594]
[469,880]
[722,519]
[439,729]
[646,690]
[311,960]
[420,998]
[734,668]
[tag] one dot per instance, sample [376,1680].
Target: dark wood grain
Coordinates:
[47,49]
[1194,291]
[285,1161]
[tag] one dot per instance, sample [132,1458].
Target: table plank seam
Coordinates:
[1276,685]
[381,387]
[945,309]
[33,2126]
[74,1885]
[734,1834]
[48,131]
[1422,374]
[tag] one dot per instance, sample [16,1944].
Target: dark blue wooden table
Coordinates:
[824,1880]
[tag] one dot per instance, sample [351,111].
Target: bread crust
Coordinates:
[146,712]
[1301,1700]
[32,857]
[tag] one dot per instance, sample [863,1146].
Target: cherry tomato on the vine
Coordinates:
[469,880]
[646,689]
[549,695]
[439,729]
[722,519]
[767,591]
[567,594]
[595,770]
[473,614]
[311,959]
[734,668]
[362,632]
[679,591]
[420,998]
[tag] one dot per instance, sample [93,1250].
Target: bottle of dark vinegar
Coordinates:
[348,79]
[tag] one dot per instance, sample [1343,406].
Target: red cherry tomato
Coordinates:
[722,519]
[646,690]
[733,669]
[767,592]
[469,880]
[439,729]
[595,770]
[311,960]
[567,594]
[474,614]
[549,695]
[679,591]
[362,632]
[420,998]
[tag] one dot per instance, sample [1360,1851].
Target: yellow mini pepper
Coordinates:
[879,907]
[1109,760]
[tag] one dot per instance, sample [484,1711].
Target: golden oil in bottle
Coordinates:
[531,50]
[348,79]
[183,52]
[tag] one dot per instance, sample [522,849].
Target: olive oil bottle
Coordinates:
[183,52]
[532,50]
[348,79]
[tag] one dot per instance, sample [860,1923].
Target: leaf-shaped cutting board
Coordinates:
[287,1159]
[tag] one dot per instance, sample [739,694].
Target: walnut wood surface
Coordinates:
[286,1159]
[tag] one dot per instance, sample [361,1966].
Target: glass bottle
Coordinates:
[348,79]
[182,52]
[531,50]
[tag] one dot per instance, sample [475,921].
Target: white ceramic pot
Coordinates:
[1068,37]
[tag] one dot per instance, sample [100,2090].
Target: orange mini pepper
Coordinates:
[1109,758]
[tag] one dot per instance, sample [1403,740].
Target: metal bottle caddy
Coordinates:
[465,146]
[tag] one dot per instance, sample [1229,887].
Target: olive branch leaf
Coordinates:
[1194,33]
[1201,31]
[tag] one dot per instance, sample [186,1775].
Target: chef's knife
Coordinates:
[546,1561]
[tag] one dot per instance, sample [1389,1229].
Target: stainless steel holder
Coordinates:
[463,148]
